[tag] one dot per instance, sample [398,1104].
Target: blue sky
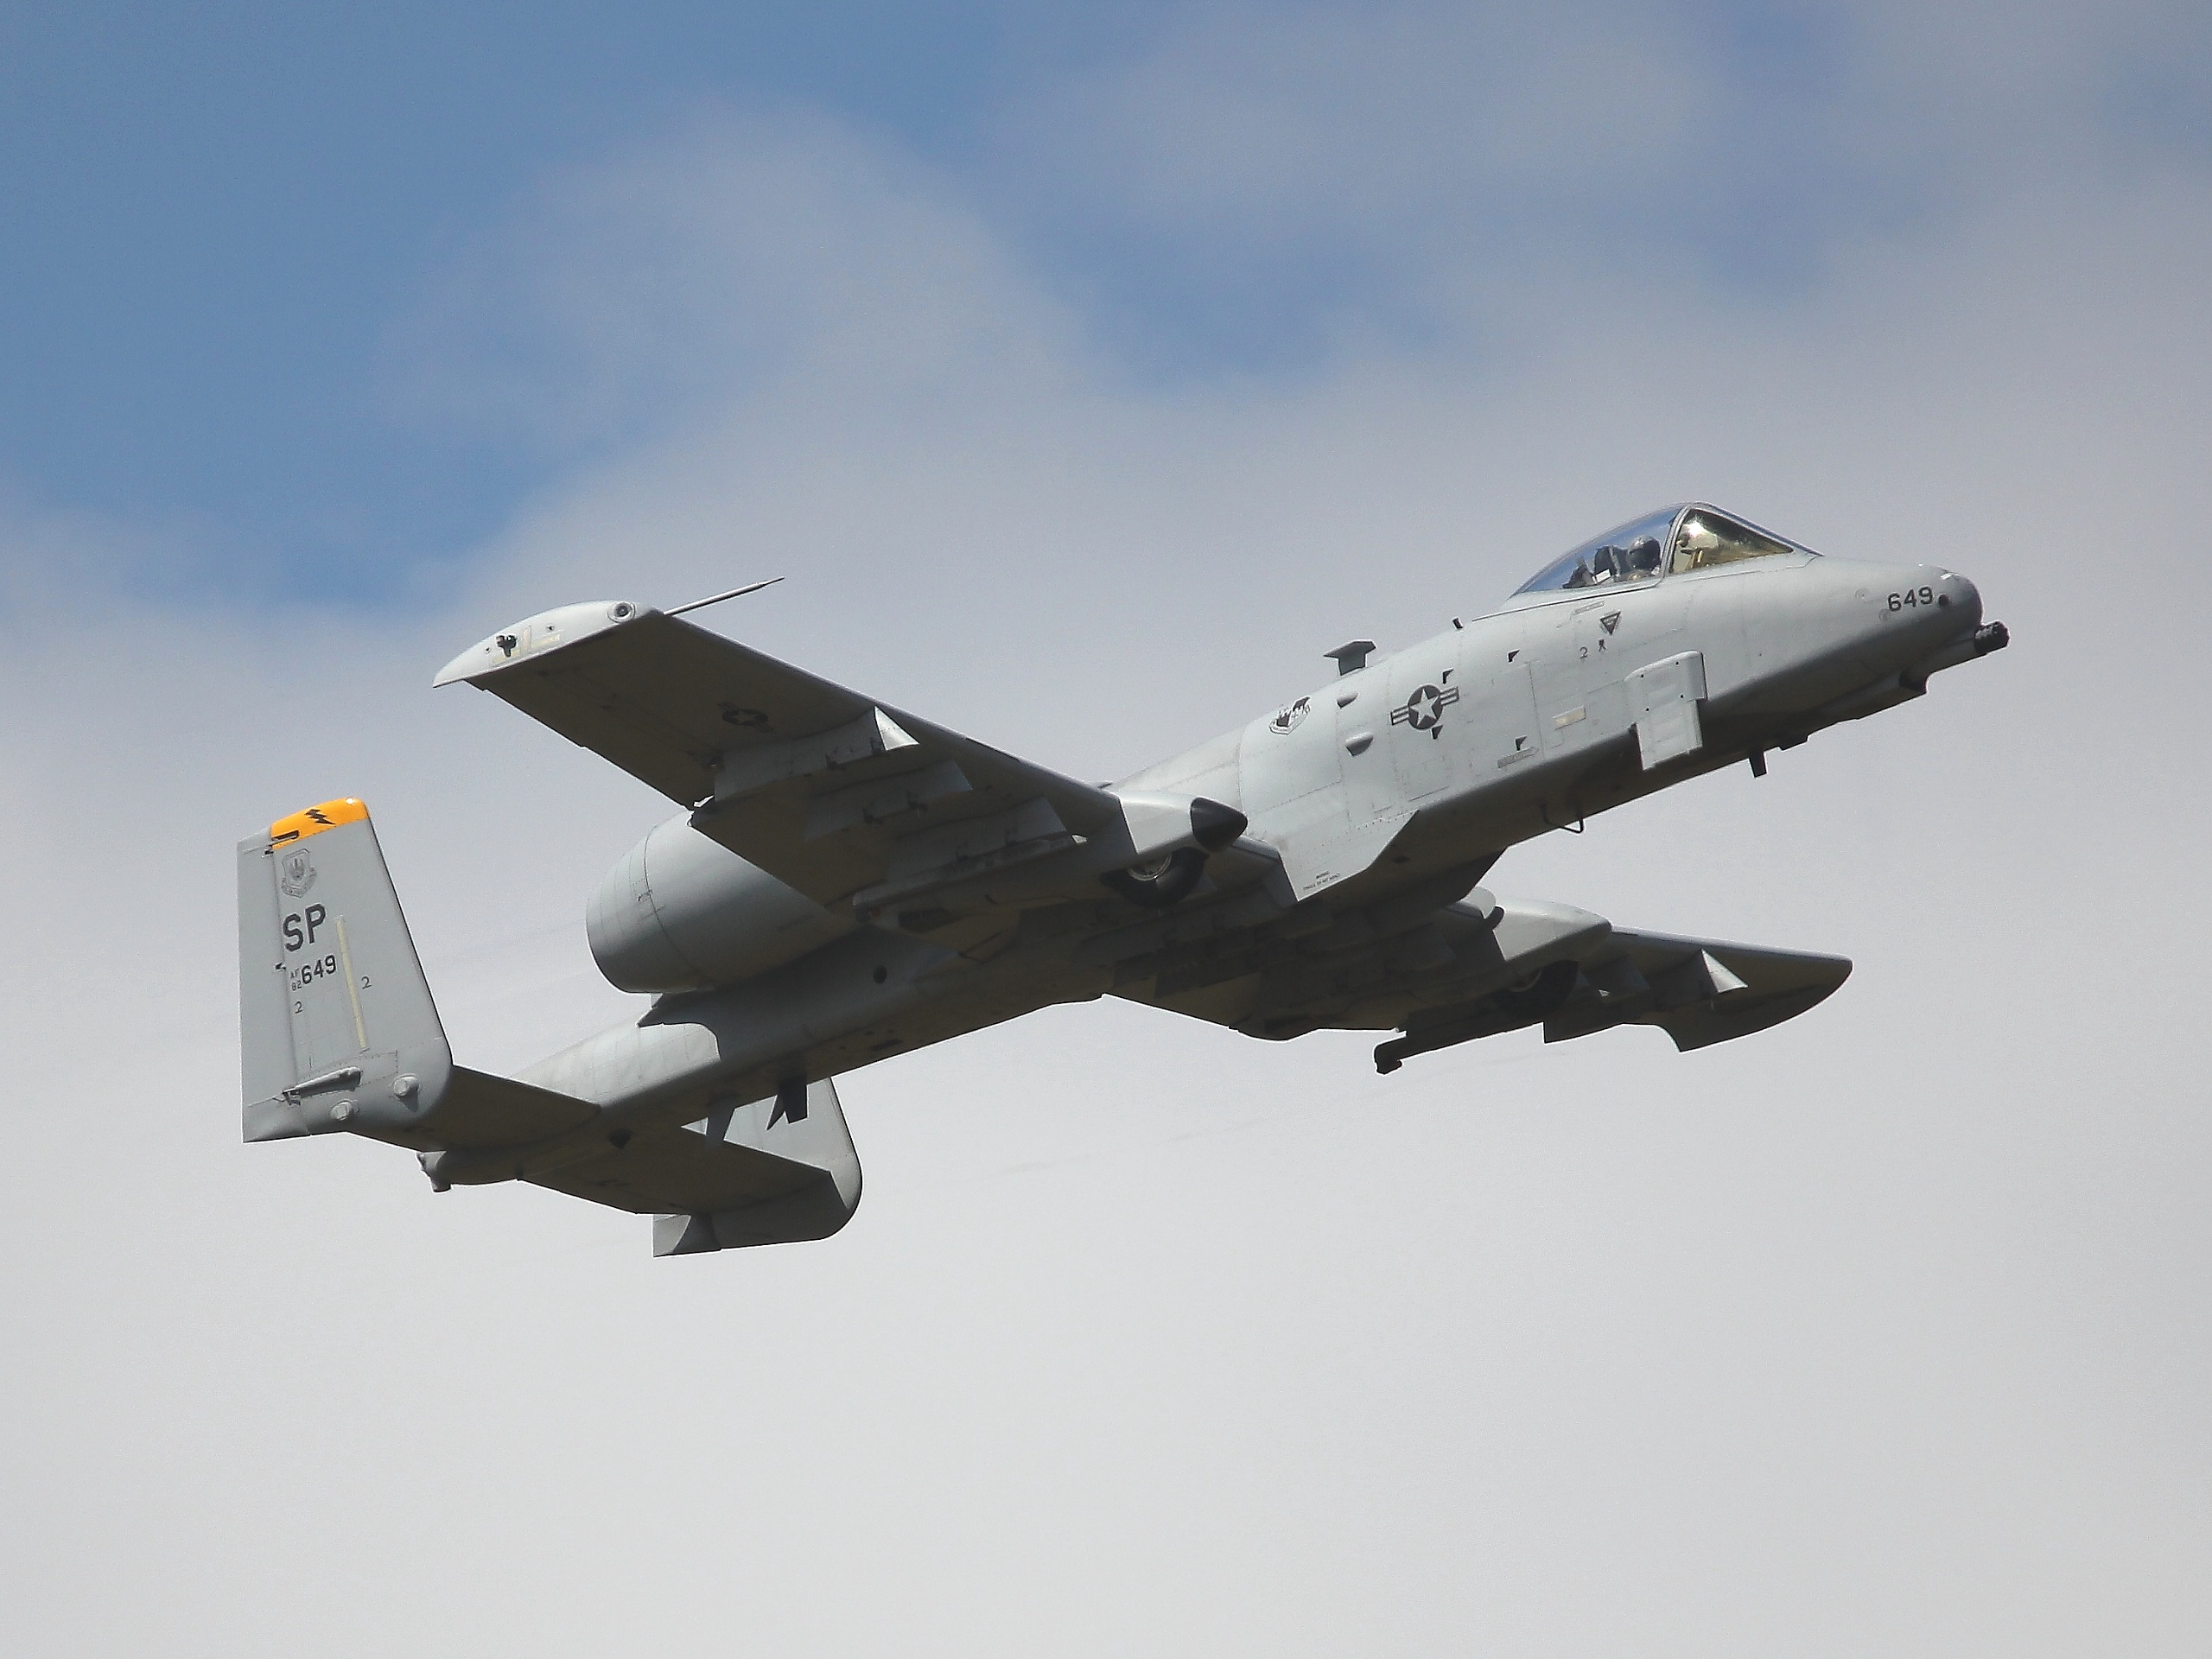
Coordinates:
[216,217]
[214,212]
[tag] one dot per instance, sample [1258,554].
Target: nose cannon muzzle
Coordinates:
[1990,636]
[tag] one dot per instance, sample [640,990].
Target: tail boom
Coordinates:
[338,1032]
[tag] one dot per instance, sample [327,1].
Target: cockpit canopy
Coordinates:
[1689,537]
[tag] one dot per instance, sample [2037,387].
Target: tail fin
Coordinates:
[338,1032]
[336,1024]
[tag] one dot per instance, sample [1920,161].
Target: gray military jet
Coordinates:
[847,881]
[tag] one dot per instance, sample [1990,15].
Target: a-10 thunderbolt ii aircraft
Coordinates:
[847,881]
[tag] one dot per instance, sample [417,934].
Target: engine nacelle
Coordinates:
[681,913]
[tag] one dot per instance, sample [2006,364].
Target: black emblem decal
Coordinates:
[791,1103]
[1424,711]
[1611,620]
[295,875]
[1288,718]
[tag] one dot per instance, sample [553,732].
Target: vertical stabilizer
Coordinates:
[336,1025]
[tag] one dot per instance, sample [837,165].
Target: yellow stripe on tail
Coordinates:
[315,820]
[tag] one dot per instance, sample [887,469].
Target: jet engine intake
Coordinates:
[1162,882]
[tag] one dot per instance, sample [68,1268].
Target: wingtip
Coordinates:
[534,636]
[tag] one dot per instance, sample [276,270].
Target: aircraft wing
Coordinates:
[1697,991]
[1475,968]
[827,789]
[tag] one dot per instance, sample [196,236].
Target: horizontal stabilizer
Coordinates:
[767,1172]
[770,1172]
[479,1111]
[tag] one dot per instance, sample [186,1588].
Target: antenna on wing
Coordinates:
[716,599]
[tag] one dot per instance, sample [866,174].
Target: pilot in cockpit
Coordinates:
[1610,563]
[1640,551]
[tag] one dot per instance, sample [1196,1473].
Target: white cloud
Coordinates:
[752,257]
[1440,170]
[1311,121]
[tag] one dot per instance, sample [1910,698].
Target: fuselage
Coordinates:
[1517,723]
[1687,642]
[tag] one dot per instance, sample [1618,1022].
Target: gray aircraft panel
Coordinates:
[826,790]
[1697,991]
[339,1032]
[715,1165]
[850,882]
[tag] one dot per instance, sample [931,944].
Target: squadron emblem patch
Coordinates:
[1287,719]
[295,875]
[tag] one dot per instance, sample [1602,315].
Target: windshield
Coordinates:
[1635,552]
[1647,547]
[1707,538]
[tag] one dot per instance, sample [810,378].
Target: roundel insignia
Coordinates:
[295,874]
[1424,711]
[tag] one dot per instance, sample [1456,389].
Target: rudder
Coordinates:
[337,1027]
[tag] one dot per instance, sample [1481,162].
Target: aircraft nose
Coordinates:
[1942,618]
[1964,599]
[1933,602]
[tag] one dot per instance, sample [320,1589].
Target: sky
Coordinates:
[1087,377]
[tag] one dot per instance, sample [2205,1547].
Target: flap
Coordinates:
[817,785]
